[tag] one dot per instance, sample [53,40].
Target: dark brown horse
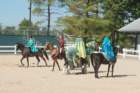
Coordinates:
[97,58]
[55,54]
[26,53]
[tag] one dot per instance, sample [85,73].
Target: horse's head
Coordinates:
[19,46]
[48,46]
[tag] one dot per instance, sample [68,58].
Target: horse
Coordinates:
[26,53]
[55,54]
[97,58]
[74,61]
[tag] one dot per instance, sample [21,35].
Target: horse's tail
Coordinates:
[45,53]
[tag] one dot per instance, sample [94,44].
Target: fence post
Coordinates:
[15,49]
[139,54]
[124,52]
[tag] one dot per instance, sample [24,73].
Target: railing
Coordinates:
[126,52]
[131,53]
[11,49]
[8,49]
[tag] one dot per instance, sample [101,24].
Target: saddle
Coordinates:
[32,51]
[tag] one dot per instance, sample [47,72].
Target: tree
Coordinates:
[24,24]
[121,12]
[84,19]
[24,27]
[41,8]
[9,30]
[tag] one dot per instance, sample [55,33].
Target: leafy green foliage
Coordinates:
[84,21]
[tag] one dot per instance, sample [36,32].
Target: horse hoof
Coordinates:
[22,65]
[96,76]
[68,72]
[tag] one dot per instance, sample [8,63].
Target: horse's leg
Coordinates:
[97,65]
[65,58]
[92,61]
[53,65]
[58,65]
[83,62]
[38,60]
[22,60]
[66,61]
[44,60]
[27,61]
[65,65]
[108,69]
[113,68]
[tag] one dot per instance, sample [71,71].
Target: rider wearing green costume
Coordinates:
[32,44]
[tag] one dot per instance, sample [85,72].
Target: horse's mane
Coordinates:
[20,44]
[49,45]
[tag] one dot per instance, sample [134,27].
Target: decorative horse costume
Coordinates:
[107,56]
[76,55]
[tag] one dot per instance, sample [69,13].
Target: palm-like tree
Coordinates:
[41,8]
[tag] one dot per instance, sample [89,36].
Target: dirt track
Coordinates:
[16,79]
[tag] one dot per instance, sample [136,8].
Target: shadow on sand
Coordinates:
[92,72]
[118,76]
[35,66]
[89,72]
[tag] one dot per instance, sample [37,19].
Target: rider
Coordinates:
[61,42]
[32,44]
[107,49]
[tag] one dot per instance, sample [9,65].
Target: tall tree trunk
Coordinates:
[86,29]
[49,20]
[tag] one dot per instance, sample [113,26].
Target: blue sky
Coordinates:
[13,11]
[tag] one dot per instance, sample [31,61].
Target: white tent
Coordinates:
[133,27]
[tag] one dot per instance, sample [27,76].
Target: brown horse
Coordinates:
[98,58]
[26,53]
[55,54]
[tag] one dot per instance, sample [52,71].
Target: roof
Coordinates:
[131,27]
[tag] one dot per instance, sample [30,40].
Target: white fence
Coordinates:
[8,49]
[11,49]
[131,53]
[126,52]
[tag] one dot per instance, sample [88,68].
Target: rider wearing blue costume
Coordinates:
[107,49]
[32,44]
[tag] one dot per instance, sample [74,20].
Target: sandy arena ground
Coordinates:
[17,79]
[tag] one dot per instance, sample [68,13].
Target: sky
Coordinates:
[12,12]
